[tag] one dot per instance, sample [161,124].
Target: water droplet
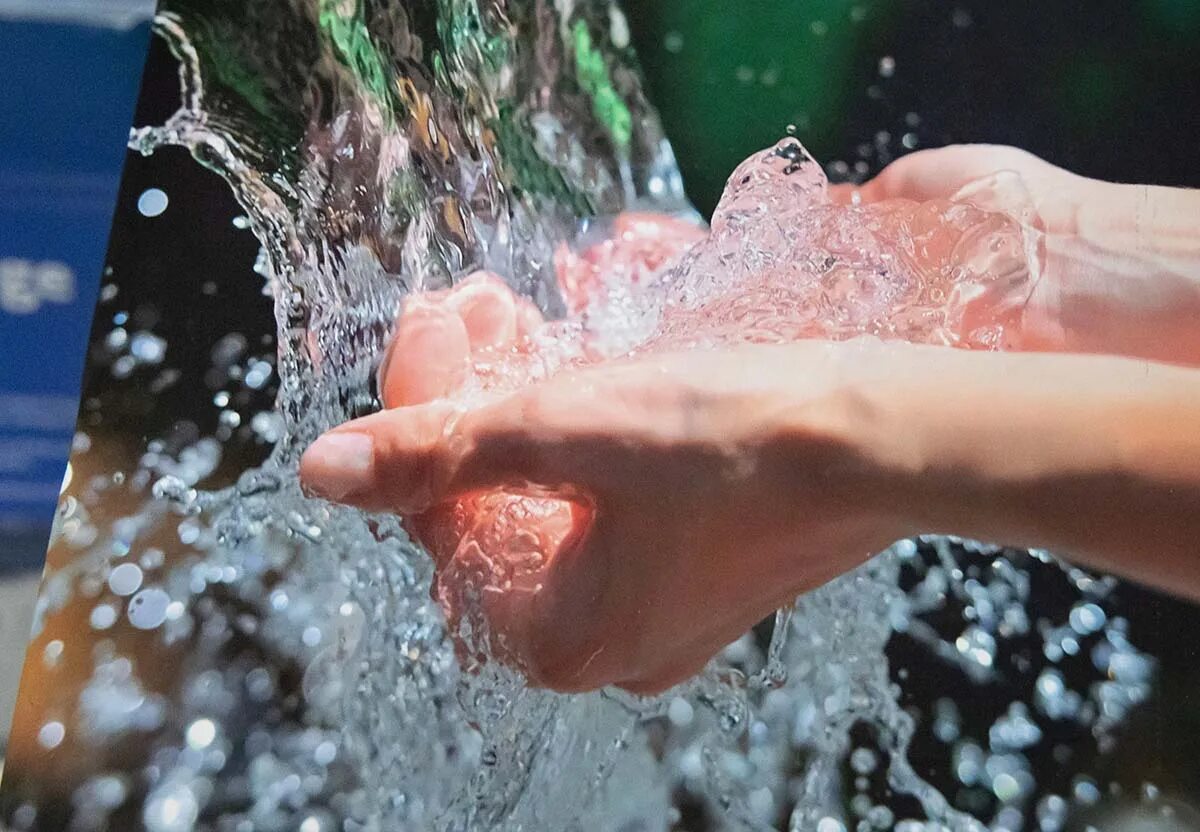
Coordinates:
[125,579]
[51,735]
[103,616]
[152,202]
[52,653]
[171,808]
[201,733]
[680,711]
[325,753]
[863,761]
[148,609]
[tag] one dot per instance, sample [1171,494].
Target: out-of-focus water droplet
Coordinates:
[1051,813]
[51,735]
[52,653]
[147,348]
[125,579]
[1086,619]
[148,609]
[103,616]
[325,753]
[152,202]
[201,733]
[863,760]
[680,711]
[171,808]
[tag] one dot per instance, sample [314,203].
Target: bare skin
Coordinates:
[709,489]
[1120,263]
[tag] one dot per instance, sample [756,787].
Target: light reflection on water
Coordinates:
[292,670]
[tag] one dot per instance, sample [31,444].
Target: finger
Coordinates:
[561,627]
[920,176]
[649,225]
[488,309]
[938,173]
[412,458]
[429,356]
[529,318]
[439,530]
[843,194]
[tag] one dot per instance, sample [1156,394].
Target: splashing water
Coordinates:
[381,150]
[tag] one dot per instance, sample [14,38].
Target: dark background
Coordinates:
[1106,88]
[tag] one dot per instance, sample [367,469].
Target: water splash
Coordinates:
[380,150]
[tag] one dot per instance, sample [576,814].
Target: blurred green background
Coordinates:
[1107,88]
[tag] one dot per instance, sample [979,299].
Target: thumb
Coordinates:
[412,458]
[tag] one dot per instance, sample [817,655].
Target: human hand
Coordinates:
[1119,264]
[665,504]
[1016,177]
[450,339]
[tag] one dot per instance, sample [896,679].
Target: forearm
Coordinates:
[1095,458]
[1122,275]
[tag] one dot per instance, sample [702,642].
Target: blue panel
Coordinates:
[65,110]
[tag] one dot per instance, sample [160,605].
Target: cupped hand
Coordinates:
[949,172]
[1118,264]
[678,498]
[489,539]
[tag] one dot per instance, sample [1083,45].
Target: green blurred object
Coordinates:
[1179,17]
[591,69]
[729,81]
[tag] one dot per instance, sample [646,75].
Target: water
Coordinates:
[379,150]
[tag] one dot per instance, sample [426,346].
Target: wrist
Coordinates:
[1046,450]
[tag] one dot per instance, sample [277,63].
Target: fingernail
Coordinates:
[338,464]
